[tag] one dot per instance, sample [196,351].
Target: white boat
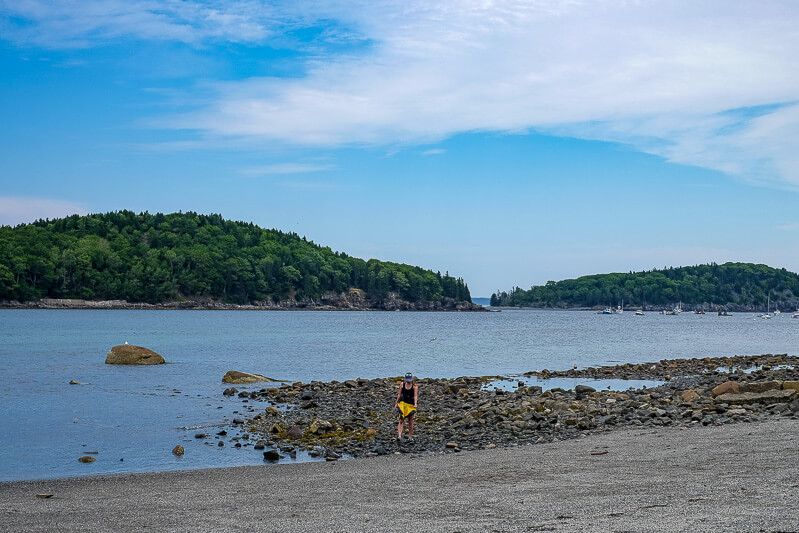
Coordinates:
[639,312]
[605,311]
[767,315]
[796,314]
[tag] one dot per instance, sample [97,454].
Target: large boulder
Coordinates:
[234,376]
[769,396]
[728,387]
[128,354]
[761,386]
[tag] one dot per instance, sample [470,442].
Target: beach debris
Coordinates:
[128,354]
[87,459]
[599,452]
[44,495]
[451,445]
[178,450]
[237,377]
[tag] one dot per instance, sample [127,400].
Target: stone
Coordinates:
[294,432]
[689,396]
[200,435]
[87,459]
[220,443]
[583,390]
[178,450]
[128,354]
[230,391]
[236,377]
[271,455]
[737,411]
[452,445]
[260,445]
[790,385]
[74,382]
[728,387]
[769,396]
[761,386]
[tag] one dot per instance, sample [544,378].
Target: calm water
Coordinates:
[133,416]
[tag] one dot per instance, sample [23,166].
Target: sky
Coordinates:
[510,143]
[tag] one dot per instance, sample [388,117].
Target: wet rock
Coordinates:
[221,433]
[201,435]
[128,354]
[87,459]
[237,377]
[260,445]
[231,391]
[581,391]
[178,450]
[221,443]
[271,455]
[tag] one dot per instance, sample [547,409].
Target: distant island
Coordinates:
[730,286]
[187,260]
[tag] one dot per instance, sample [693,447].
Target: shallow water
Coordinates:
[138,414]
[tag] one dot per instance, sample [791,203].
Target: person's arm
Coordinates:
[416,396]
[399,394]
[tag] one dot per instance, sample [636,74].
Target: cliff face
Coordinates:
[353,300]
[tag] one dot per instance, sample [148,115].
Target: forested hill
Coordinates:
[157,258]
[736,286]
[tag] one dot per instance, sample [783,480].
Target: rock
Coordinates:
[87,459]
[583,390]
[320,427]
[234,376]
[737,411]
[452,445]
[770,396]
[222,433]
[761,386]
[238,421]
[728,387]
[44,495]
[200,435]
[128,354]
[271,455]
[331,455]
[178,450]
[689,396]
[74,382]
[294,432]
[230,391]
[260,445]
[220,443]
[790,385]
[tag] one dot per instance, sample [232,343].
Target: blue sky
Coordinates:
[510,143]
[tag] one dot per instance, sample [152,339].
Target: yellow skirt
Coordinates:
[406,409]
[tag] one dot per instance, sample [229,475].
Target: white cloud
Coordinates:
[286,168]
[80,23]
[660,75]
[19,209]
[433,151]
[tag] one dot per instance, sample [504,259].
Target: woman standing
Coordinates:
[406,404]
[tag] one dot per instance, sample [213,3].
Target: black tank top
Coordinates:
[407,395]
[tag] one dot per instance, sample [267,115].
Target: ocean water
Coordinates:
[133,416]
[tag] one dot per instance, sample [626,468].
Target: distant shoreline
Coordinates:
[190,305]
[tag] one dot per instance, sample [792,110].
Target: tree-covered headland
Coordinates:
[741,286]
[142,257]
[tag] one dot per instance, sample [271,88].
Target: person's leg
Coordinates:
[411,419]
[399,427]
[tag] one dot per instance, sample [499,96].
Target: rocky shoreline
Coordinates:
[356,418]
[353,300]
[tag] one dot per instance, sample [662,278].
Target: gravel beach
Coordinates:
[735,477]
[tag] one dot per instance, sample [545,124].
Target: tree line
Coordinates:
[738,285]
[155,258]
